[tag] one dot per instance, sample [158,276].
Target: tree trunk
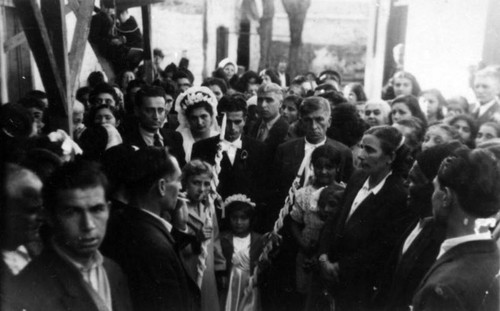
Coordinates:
[297,11]
[266,33]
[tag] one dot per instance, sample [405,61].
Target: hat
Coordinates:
[226,61]
[430,159]
[269,88]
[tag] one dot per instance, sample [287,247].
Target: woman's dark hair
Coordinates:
[472,125]
[95,78]
[275,78]
[294,99]
[216,81]
[411,102]
[415,87]
[202,104]
[245,79]
[474,176]
[328,152]
[93,142]
[238,206]
[89,120]
[346,126]
[103,88]
[414,141]
[391,142]
[359,91]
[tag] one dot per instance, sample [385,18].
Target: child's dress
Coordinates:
[204,273]
[243,254]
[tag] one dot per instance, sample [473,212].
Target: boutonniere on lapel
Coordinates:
[244,154]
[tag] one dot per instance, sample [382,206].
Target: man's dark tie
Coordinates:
[157,141]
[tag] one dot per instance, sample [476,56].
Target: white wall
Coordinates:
[445,37]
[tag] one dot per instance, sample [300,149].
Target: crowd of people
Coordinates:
[171,196]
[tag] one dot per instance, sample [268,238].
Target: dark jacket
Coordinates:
[148,255]
[277,134]
[51,283]
[405,271]
[491,115]
[246,175]
[171,139]
[462,279]
[361,245]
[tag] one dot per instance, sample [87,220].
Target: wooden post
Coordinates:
[148,52]
[41,46]
[82,28]
[4,96]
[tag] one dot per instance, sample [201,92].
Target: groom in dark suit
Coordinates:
[244,160]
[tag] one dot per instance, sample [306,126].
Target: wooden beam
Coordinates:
[148,52]
[55,22]
[20,38]
[82,28]
[37,35]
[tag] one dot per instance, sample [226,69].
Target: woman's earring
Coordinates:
[466,221]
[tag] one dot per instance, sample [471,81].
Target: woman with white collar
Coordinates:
[355,243]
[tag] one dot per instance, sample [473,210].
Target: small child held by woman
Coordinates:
[309,213]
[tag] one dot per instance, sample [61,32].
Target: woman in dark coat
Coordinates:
[355,244]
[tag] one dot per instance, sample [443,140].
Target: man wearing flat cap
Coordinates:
[270,128]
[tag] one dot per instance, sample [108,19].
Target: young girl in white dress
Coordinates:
[241,247]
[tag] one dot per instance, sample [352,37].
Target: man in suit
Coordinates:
[419,246]
[270,128]
[147,130]
[283,75]
[71,273]
[142,241]
[315,115]
[487,89]
[244,160]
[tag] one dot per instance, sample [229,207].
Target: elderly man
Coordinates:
[315,116]
[270,128]
[71,274]
[21,219]
[142,241]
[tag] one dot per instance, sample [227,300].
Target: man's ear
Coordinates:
[161,185]
[449,196]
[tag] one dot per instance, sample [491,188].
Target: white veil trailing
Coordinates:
[191,96]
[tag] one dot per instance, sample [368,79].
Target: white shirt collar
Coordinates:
[485,107]
[309,145]
[149,136]
[237,143]
[452,242]
[96,261]
[375,190]
[163,221]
